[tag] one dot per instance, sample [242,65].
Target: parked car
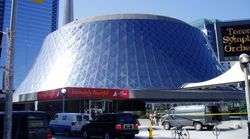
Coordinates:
[27,125]
[111,125]
[69,123]
[198,116]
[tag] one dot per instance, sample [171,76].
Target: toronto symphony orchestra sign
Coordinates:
[233,39]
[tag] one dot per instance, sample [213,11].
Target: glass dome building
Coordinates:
[122,51]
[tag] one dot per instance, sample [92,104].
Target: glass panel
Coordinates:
[78,118]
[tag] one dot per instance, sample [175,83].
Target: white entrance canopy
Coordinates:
[233,75]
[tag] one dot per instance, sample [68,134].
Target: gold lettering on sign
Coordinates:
[241,48]
[236,40]
[233,39]
[232,31]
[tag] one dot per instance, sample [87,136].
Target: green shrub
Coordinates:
[243,106]
[144,117]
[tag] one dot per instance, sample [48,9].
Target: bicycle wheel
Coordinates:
[216,131]
[174,132]
[184,133]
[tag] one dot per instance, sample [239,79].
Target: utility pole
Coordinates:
[9,72]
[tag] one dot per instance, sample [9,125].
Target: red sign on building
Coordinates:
[49,95]
[97,93]
[85,93]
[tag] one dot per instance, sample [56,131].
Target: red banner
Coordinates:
[48,95]
[88,93]
[97,93]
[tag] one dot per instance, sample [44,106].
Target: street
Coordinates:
[228,130]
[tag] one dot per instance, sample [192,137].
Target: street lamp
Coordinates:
[63,92]
[244,60]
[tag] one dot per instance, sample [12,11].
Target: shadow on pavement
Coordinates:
[154,128]
[221,129]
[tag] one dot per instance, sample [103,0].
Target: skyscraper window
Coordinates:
[33,23]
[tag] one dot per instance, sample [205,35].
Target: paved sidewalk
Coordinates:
[229,130]
[225,124]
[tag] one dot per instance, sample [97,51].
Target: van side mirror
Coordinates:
[172,116]
[86,120]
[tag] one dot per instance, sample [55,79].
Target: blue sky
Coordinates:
[185,10]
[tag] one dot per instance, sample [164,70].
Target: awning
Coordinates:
[233,75]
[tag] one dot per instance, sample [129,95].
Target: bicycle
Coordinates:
[216,131]
[179,133]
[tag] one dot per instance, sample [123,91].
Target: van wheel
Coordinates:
[67,133]
[85,134]
[166,126]
[198,126]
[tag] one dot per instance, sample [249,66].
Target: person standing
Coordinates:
[155,118]
[151,119]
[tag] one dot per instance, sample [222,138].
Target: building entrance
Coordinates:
[96,106]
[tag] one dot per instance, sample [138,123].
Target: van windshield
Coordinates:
[79,118]
[86,117]
[212,109]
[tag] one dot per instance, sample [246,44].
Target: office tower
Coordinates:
[68,11]
[207,27]
[33,23]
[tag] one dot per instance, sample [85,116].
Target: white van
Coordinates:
[69,123]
